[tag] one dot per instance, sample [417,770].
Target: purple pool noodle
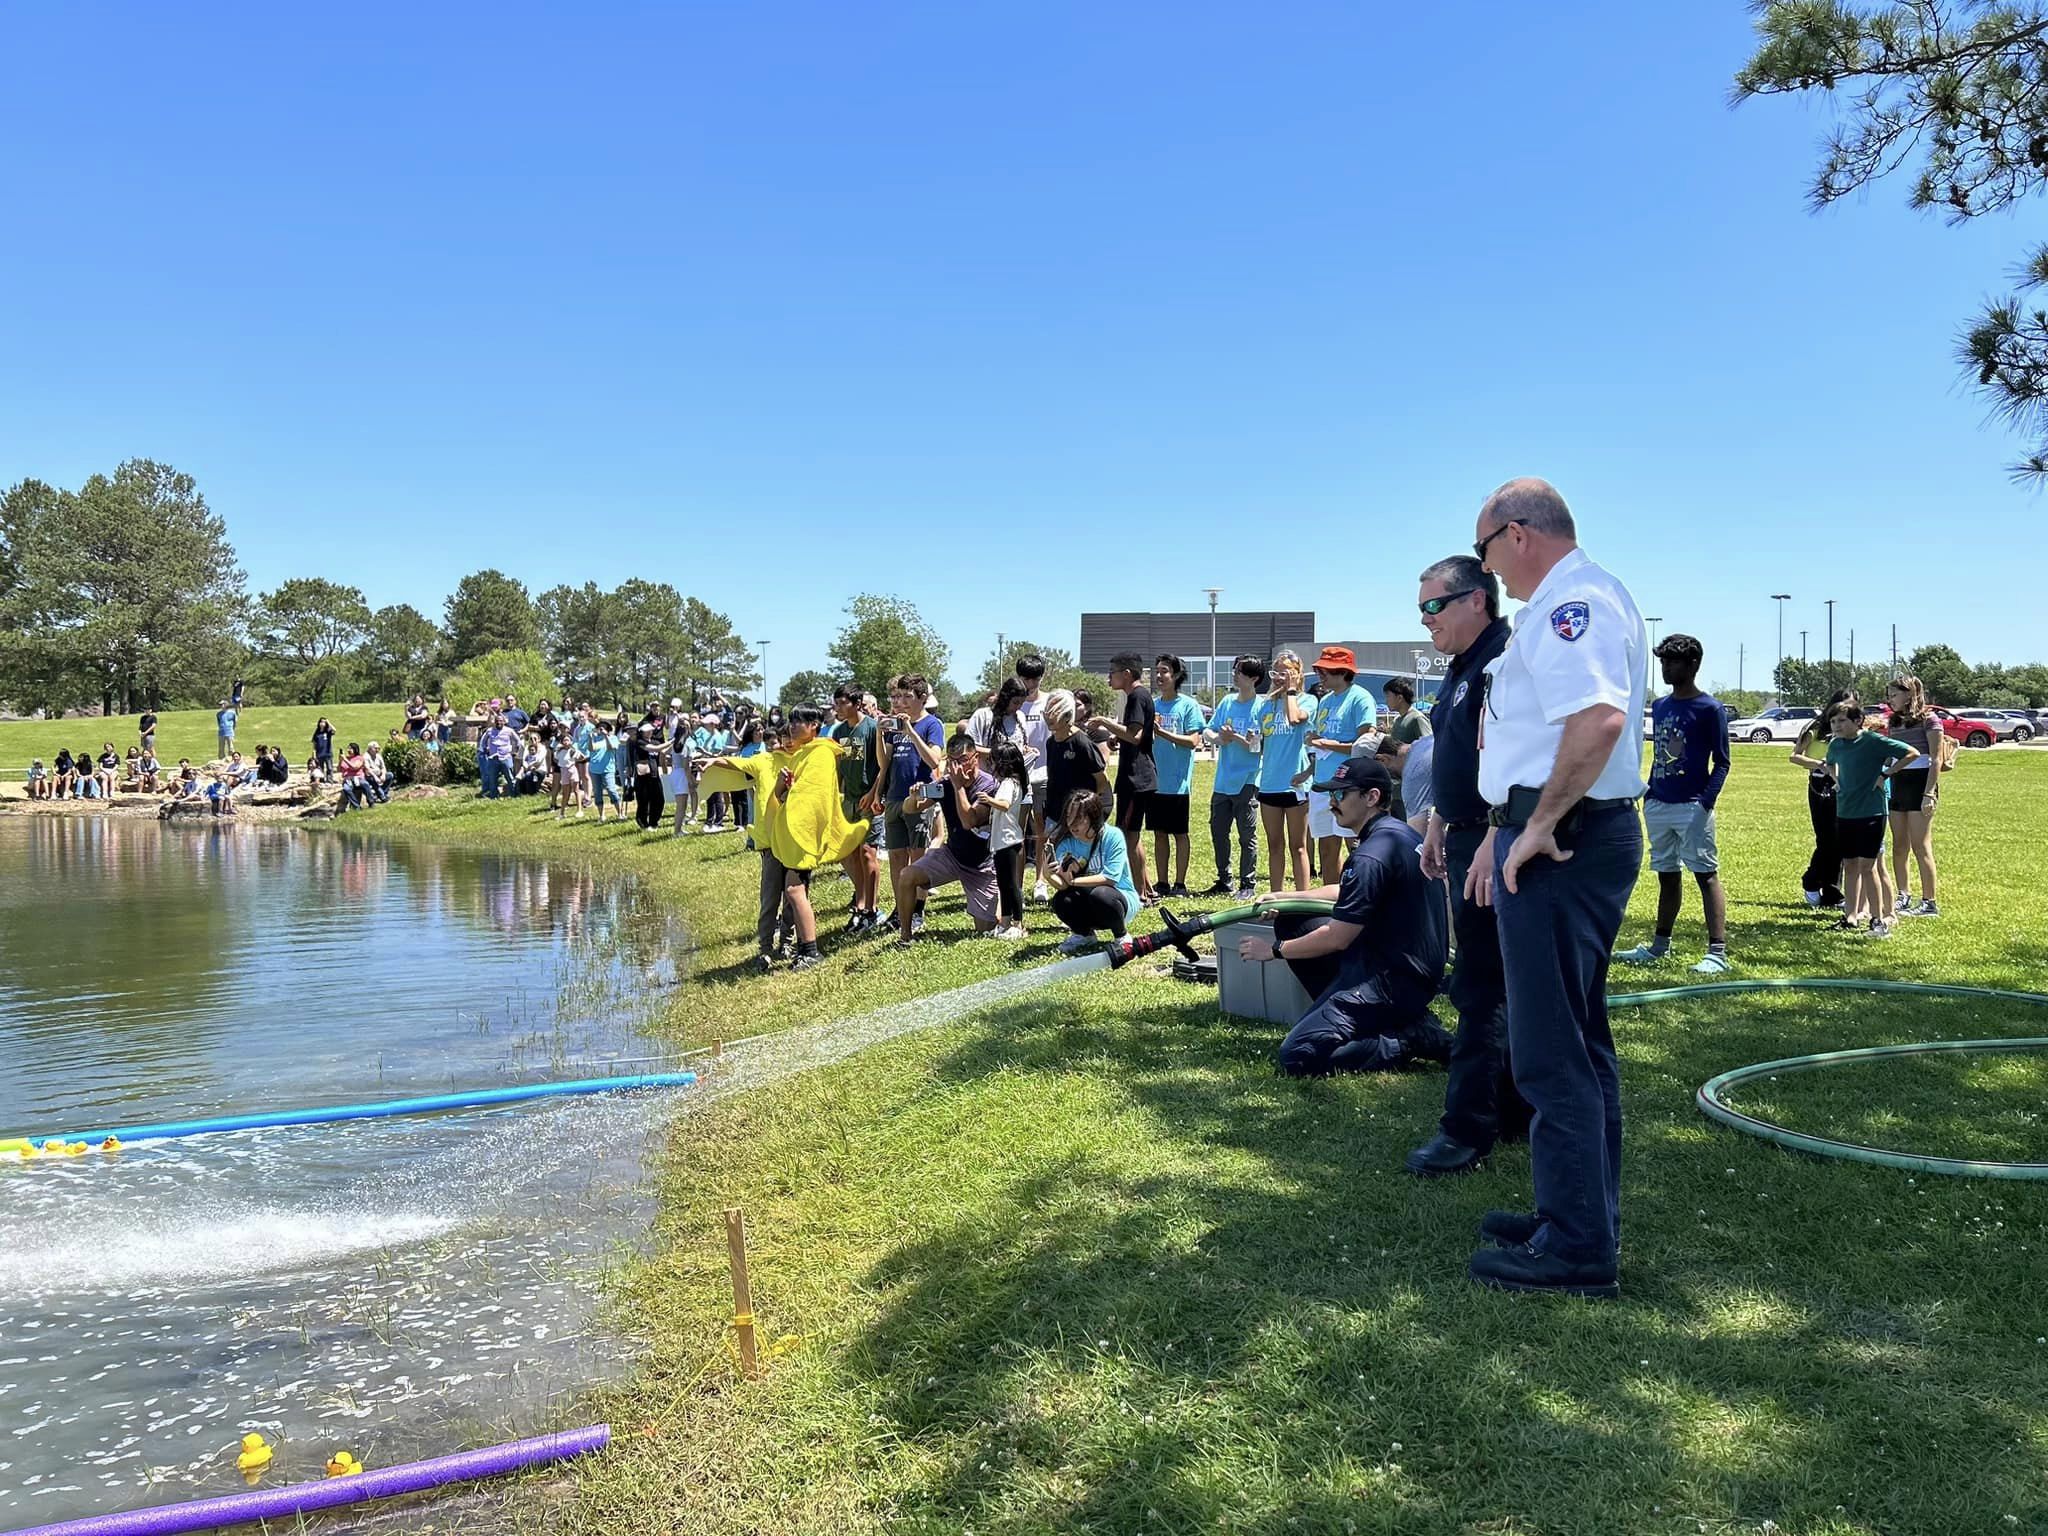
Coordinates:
[302,1498]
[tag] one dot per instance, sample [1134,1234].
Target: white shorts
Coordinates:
[1322,821]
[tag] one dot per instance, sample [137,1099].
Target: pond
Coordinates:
[395,1288]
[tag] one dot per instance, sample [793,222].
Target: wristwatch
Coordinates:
[1276,949]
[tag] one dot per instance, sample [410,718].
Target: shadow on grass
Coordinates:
[1249,1315]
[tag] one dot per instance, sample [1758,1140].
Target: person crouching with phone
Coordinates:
[962,794]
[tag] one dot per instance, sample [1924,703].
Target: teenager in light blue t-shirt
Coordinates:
[1343,714]
[1285,718]
[1176,732]
[1091,872]
[1234,727]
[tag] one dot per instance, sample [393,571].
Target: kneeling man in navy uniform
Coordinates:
[1376,961]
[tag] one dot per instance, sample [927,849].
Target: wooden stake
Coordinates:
[742,1292]
[718,1047]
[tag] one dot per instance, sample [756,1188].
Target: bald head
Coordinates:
[1533,503]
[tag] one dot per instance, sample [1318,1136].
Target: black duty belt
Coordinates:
[1522,802]
[1467,823]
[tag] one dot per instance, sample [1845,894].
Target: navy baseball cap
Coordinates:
[1362,773]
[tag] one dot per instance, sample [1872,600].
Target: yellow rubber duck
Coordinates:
[111,1144]
[15,1144]
[342,1464]
[256,1454]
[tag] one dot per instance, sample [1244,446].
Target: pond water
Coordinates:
[395,1288]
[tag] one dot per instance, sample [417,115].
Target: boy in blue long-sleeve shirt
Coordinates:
[1688,767]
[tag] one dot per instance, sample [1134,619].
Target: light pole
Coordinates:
[1781,599]
[1653,621]
[1802,647]
[1831,638]
[762,647]
[1215,693]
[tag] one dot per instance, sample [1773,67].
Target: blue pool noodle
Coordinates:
[478,1098]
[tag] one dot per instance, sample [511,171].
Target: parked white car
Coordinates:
[1778,723]
[2001,725]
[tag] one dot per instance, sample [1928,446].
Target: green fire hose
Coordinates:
[1180,932]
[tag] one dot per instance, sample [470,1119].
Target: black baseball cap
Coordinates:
[1362,773]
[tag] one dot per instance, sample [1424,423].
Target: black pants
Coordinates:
[714,810]
[1481,1105]
[742,808]
[648,800]
[1556,937]
[1009,864]
[1824,869]
[1368,1028]
[774,909]
[1090,909]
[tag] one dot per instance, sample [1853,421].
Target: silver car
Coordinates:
[2001,725]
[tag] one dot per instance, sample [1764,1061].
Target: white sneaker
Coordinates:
[1642,954]
[1041,893]
[1077,943]
[1904,903]
[1880,929]
[1711,965]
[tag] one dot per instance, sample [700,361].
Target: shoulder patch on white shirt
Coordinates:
[1571,620]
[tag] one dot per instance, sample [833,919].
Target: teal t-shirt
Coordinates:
[1340,717]
[1236,763]
[1175,764]
[1283,752]
[1860,786]
[1109,856]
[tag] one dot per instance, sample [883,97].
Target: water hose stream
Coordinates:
[299,1499]
[1179,933]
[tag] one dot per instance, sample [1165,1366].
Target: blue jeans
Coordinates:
[495,771]
[1556,934]
[602,784]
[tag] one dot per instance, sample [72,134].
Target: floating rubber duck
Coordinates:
[342,1464]
[111,1144]
[16,1145]
[256,1454]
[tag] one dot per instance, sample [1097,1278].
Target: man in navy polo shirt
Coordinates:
[1377,960]
[1460,606]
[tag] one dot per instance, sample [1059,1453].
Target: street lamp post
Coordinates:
[1653,621]
[1781,599]
[762,647]
[1802,647]
[1215,693]
[1831,638]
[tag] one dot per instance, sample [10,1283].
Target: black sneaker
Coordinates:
[1247,892]
[1179,889]
[1220,888]
[1522,1268]
[916,924]
[764,962]
[1428,1040]
[1440,1156]
[807,957]
[1509,1229]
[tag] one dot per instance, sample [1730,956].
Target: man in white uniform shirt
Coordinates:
[1560,762]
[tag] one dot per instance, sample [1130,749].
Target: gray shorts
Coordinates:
[903,825]
[1680,836]
[939,867]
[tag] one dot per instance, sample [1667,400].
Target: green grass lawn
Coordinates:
[190,733]
[1084,1263]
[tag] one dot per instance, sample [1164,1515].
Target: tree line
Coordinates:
[126,594]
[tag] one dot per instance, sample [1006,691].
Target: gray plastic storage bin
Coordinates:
[1251,990]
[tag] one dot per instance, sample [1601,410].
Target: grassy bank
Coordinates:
[1084,1263]
[190,732]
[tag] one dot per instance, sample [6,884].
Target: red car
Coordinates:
[1970,733]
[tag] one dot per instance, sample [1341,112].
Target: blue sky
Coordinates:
[1016,311]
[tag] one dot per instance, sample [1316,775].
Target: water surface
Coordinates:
[396,1288]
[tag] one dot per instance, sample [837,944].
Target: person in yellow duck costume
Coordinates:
[801,826]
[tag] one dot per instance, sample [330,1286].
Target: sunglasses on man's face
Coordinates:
[1479,549]
[1432,606]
